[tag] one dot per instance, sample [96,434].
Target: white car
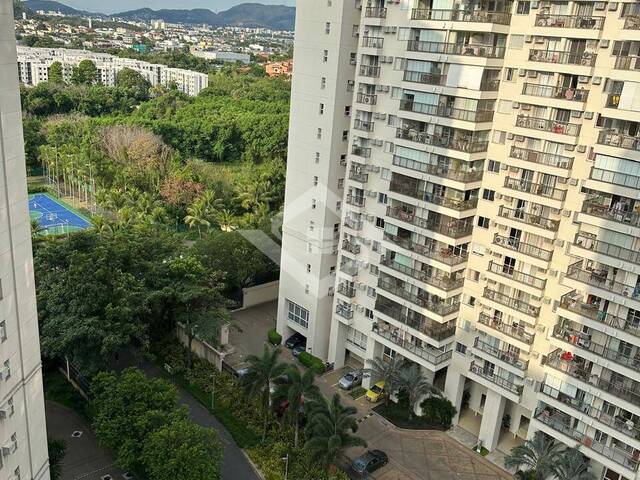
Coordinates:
[350,380]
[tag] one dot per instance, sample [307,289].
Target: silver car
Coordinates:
[350,380]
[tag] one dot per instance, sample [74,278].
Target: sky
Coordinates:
[112,6]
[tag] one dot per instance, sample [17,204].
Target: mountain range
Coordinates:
[256,15]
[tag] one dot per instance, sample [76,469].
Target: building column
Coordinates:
[454,390]
[336,343]
[492,420]
[374,350]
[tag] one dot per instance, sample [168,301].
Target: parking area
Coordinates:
[248,331]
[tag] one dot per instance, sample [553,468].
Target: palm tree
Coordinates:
[261,372]
[101,224]
[537,458]
[572,466]
[328,429]
[197,217]
[385,371]
[411,381]
[36,230]
[297,387]
[225,218]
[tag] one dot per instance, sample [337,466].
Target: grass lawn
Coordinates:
[357,392]
[398,414]
[58,389]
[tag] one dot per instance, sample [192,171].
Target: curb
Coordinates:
[253,465]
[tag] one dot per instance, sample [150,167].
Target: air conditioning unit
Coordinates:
[588,115]
[552,273]
[573,181]
[559,243]
[600,5]
[532,74]
[541,328]
[596,80]
[528,38]
[360,308]
[5,373]
[613,6]
[583,79]
[566,213]
[581,148]
[377,142]
[509,136]
[530,381]
[522,72]
[604,43]
[9,449]
[370,218]
[526,106]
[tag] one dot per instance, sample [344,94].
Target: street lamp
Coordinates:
[286,466]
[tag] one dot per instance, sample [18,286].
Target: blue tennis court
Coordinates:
[54,216]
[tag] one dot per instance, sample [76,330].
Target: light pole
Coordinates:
[286,466]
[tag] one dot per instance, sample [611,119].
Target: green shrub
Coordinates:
[38,188]
[274,337]
[312,362]
[57,449]
[438,410]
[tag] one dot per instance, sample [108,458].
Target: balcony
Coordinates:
[443,255]
[443,48]
[346,290]
[433,356]
[364,125]
[375,12]
[528,218]
[372,42]
[561,93]
[442,282]
[560,422]
[522,247]
[460,143]
[584,22]
[521,277]
[453,203]
[478,16]
[511,302]
[505,355]
[424,78]
[572,302]
[349,267]
[566,333]
[537,189]
[615,178]
[632,22]
[355,200]
[359,151]
[443,171]
[541,158]
[409,105]
[439,308]
[593,207]
[586,59]
[344,311]
[613,139]
[431,329]
[600,279]
[453,229]
[513,331]
[353,224]
[351,247]
[490,375]
[574,367]
[590,243]
[553,126]
[627,62]
[370,71]
[358,176]
[366,98]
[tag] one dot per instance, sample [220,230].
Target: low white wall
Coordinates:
[266,292]
[201,348]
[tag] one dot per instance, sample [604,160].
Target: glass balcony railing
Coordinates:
[435,330]
[600,279]
[584,22]
[609,249]
[478,16]
[410,105]
[443,48]
[460,143]
[553,126]
[520,277]
[351,247]
[439,308]
[349,268]
[358,176]
[443,255]
[433,356]
[443,171]
[366,98]
[489,374]
[453,203]
[364,125]
[364,152]
[513,331]
[616,178]
[541,158]
[353,224]
[597,209]
[537,189]
[375,12]
[561,93]
[527,249]
[529,218]
[511,302]
[372,42]
[505,355]
[587,59]
[355,200]
[346,290]
[632,22]
[627,62]
[344,311]
[424,78]
[612,138]
[370,71]
[442,282]
[452,228]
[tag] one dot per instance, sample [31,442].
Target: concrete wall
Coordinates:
[201,348]
[266,292]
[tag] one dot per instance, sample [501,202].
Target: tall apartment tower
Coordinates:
[23,437]
[490,225]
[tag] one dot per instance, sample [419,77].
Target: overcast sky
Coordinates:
[112,6]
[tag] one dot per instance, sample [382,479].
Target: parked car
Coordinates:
[350,380]
[375,393]
[294,339]
[370,461]
[299,348]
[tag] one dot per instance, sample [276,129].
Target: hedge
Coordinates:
[312,362]
[274,337]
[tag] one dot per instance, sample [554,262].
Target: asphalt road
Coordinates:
[235,465]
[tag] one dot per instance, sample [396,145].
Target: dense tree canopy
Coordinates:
[86,73]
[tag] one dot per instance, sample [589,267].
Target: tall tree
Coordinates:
[297,388]
[85,73]
[537,457]
[573,466]
[133,82]
[330,428]
[261,372]
[386,371]
[56,73]
[413,383]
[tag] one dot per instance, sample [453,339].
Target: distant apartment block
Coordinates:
[463,190]
[223,56]
[34,63]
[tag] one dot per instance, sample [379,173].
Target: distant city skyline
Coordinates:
[114,6]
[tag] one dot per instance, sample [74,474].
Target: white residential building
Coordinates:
[23,436]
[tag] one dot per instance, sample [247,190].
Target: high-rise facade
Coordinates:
[490,207]
[23,436]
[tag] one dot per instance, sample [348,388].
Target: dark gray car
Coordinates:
[370,461]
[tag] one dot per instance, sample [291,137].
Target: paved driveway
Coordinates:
[423,455]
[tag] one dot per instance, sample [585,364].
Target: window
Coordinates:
[321,109]
[307,289]
[523,8]
[297,314]
[510,74]
[499,137]
[517,42]
[379,222]
[338,205]
[375,246]
[483,222]
[323,82]
[353,58]
[341,183]
[332,270]
[3,331]
[325,56]
[460,348]
[327,28]
[319,133]
[347,111]
[371,292]
[357,338]
[343,159]
[312,225]
[493,166]
[368,313]
[474,275]
[317,157]
[308,268]
[313,203]
[488,194]
[471,301]
[345,135]
[6,371]
[373,269]
[382,198]
[315,180]
[385,174]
